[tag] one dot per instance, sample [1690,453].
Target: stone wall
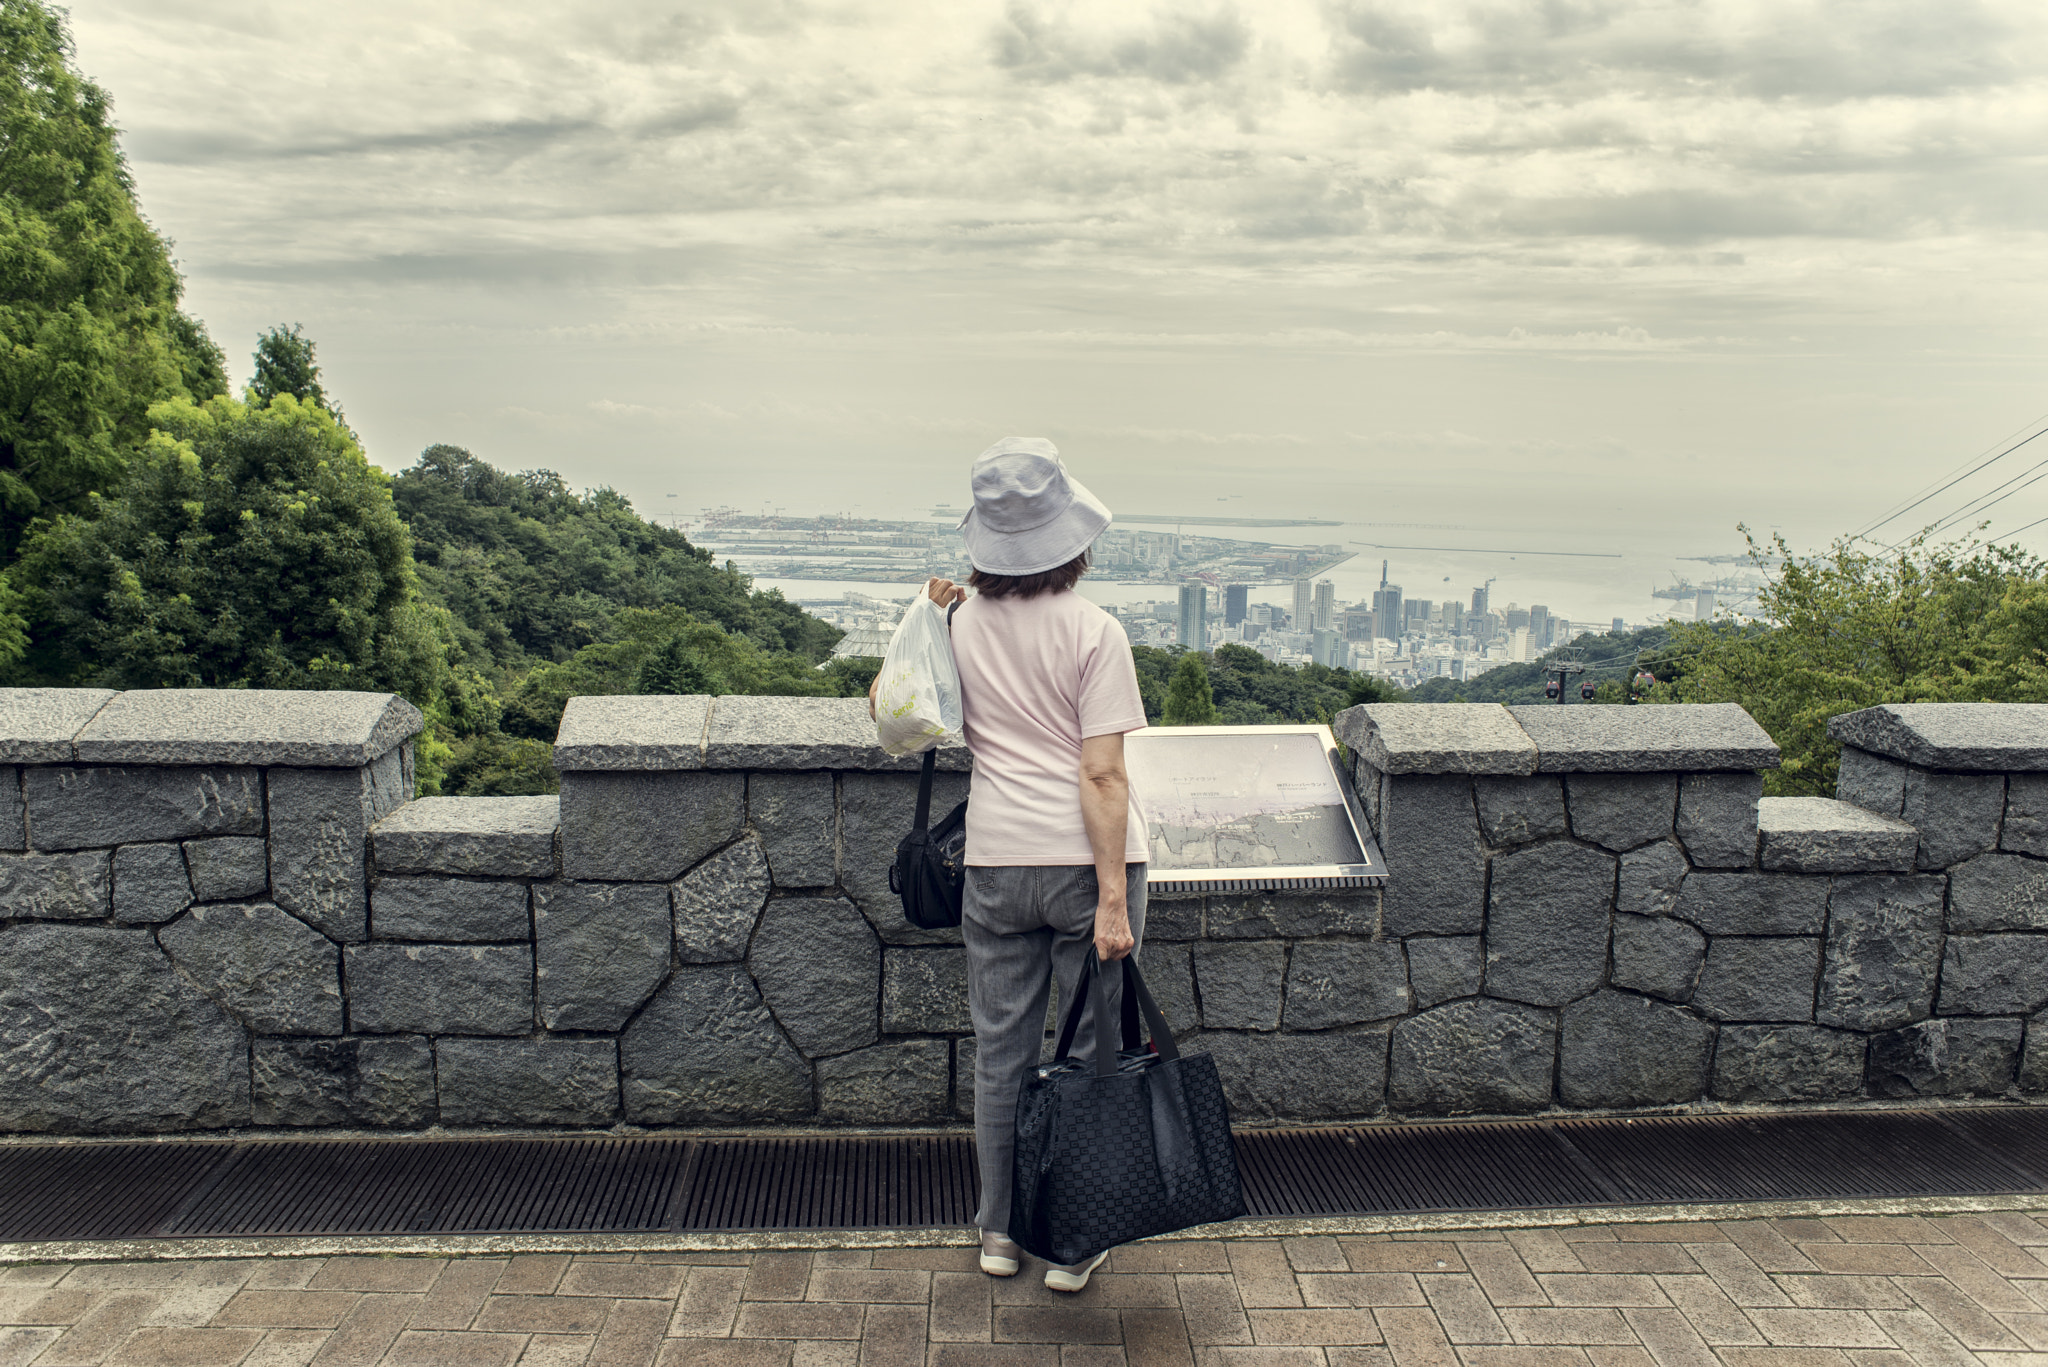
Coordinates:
[217,909]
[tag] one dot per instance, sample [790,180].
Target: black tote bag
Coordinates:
[1137,1145]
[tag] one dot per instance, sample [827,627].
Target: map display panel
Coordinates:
[1262,806]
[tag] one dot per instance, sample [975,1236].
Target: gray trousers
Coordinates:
[1025,924]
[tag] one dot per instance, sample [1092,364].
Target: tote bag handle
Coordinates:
[1094,984]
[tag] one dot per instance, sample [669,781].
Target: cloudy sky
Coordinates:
[1584,269]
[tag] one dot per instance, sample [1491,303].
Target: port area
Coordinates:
[885,551]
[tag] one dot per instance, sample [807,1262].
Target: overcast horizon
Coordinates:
[1623,274]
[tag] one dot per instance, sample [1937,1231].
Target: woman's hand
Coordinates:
[945,592]
[1113,931]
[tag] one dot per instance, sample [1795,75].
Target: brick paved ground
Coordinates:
[1843,1292]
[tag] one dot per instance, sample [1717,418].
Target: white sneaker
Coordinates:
[1075,1277]
[998,1255]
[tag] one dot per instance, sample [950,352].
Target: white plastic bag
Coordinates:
[917,698]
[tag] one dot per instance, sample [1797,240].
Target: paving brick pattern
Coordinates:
[1947,1291]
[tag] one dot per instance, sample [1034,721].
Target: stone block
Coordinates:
[439,989]
[706,1051]
[255,726]
[1429,836]
[653,732]
[1179,917]
[797,818]
[13,812]
[1997,892]
[1950,1056]
[37,725]
[1442,968]
[1717,818]
[902,1082]
[717,903]
[820,969]
[320,823]
[646,828]
[1957,815]
[1330,1075]
[366,1081]
[449,910]
[1754,903]
[875,811]
[1622,811]
[1657,955]
[1515,811]
[1241,984]
[1821,835]
[1170,977]
[528,1081]
[277,974]
[1473,1057]
[72,809]
[1975,737]
[2025,829]
[490,837]
[1287,915]
[1344,982]
[228,868]
[766,733]
[1872,782]
[924,991]
[56,887]
[1423,738]
[1787,1063]
[1616,1049]
[1651,879]
[1994,975]
[1758,979]
[600,950]
[1693,737]
[1547,923]
[2034,1057]
[100,1034]
[1883,950]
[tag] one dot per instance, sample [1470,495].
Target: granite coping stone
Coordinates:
[184,726]
[1437,738]
[37,725]
[748,732]
[658,731]
[1826,835]
[501,836]
[1994,737]
[1691,737]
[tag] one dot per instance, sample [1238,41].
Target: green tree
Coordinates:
[252,547]
[1188,700]
[1851,628]
[89,320]
[285,364]
[671,668]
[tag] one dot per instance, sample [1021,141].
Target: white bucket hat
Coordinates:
[1029,514]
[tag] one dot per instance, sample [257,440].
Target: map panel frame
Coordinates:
[1225,813]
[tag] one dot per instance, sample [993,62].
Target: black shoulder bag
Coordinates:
[930,872]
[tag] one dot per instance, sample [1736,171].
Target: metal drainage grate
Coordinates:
[1767,1158]
[1369,1170]
[600,1183]
[916,1181]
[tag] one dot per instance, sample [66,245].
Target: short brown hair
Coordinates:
[1030,585]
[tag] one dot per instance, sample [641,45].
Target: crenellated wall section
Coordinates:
[219,910]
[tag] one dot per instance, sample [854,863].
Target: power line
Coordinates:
[1968,511]
[1909,507]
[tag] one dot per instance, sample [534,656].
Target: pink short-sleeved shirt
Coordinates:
[1037,677]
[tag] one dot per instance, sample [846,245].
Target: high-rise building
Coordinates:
[1619,628]
[1703,605]
[1194,616]
[1327,648]
[1356,622]
[1515,619]
[1323,611]
[1234,603]
[1416,613]
[1539,626]
[1479,602]
[1454,617]
[1304,602]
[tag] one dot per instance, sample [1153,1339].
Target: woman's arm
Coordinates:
[1105,811]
